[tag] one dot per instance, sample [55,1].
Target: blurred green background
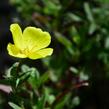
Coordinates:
[79,67]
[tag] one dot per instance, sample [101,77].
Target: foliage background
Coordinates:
[80,38]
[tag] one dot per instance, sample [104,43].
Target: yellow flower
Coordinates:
[31,43]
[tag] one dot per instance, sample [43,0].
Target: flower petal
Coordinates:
[17,35]
[41,53]
[14,51]
[35,38]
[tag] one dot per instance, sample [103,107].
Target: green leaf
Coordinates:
[74,70]
[83,75]
[23,78]
[51,7]
[107,42]
[75,35]
[103,1]
[34,78]
[41,102]
[92,28]
[43,78]
[12,71]
[62,103]
[88,12]
[50,98]
[76,101]
[24,68]
[14,106]
[17,82]
[64,41]
[74,17]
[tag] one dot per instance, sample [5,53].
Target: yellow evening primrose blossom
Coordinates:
[31,43]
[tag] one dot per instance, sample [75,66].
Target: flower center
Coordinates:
[25,51]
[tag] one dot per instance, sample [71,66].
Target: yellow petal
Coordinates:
[14,51]
[41,53]
[35,38]
[17,35]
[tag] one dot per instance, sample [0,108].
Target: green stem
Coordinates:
[19,65]
[14,88]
